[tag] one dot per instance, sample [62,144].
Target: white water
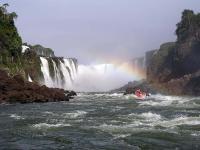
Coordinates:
[70,64]
[24,48]
[64,73]
[45,70]
[29,79]
[57,78]
[66,79]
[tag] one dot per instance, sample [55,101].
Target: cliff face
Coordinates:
[160,67]
[175,67]
[42,51]
[34,63]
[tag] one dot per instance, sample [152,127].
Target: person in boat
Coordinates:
[139,93]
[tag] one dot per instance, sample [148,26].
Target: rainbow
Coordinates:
[131,69]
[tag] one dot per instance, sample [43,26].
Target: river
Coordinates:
[98,121]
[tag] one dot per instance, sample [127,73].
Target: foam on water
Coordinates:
[117,136]
[123,128]
[147,116]
[116,95]
[162,100]
[15,116]
[106,117]
[183,120]
[46,125]
[75,114]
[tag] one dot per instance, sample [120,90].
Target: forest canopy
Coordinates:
[10,41]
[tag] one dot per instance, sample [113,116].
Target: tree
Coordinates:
[189,24]
[10,40]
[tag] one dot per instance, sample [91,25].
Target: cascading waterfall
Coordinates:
[66,75]
[71,65]
[57,78]
[29,78]
[46,74]
[64,72]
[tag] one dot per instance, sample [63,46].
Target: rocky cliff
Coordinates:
[175,67]
[40,50]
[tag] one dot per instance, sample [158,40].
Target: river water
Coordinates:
[103,121]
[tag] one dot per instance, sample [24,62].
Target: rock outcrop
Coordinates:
[131,87]
[175,67]
[41,51]
[16,89]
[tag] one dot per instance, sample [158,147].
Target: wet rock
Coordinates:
[16,89]
[70,94]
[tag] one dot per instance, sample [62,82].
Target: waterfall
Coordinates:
[144,63]
[140,64]
[24,48]
[57,77]
[64,72]
[66,75]
[72,67]
[136,65]
[45,70]
[29,79]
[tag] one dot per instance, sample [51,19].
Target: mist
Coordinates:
[100,31]
[104,77]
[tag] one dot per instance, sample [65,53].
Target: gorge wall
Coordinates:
[175,67]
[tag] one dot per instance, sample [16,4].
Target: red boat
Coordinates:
[140,95]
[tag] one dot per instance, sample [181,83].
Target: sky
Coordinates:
[99,31]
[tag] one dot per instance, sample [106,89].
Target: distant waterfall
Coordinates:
[58,72]
[139,63]
[103,77]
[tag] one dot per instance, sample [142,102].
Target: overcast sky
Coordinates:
[99,30]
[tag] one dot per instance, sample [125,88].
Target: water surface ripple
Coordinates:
[103,121]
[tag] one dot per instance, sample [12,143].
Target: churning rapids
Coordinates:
[103,121]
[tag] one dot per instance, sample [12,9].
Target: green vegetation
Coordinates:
[31,65]
[10,41]
[189,24]
[42,51]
